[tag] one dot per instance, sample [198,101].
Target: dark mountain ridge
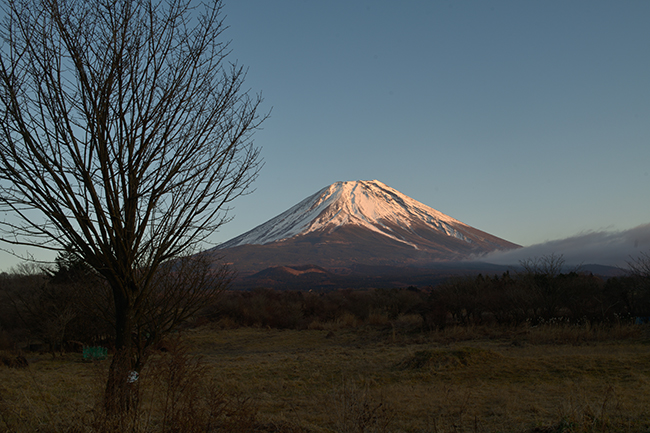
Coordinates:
[312,277]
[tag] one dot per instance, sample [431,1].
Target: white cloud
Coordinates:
[613,248]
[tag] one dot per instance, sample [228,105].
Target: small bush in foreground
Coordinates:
[357,410]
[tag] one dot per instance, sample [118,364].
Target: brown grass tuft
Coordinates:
[357,410]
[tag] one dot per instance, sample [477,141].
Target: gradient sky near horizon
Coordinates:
[529,120]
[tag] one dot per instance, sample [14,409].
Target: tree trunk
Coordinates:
[122,386]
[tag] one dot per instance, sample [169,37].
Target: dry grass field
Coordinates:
[344,378]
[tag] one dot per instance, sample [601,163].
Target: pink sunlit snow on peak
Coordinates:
[369,204]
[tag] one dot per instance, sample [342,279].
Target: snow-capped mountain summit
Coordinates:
[360,222]
[369,204]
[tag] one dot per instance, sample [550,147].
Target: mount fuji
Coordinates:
[357,223]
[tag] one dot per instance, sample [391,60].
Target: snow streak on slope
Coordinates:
[368,204]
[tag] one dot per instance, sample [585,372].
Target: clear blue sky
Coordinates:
[526,119]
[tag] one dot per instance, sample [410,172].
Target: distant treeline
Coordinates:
[533,298]
[54,311]
[64,310]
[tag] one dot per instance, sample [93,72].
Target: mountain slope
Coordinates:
[358,222]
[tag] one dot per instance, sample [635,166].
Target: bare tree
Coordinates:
[639,295]
[550,265]
[124,134]
[541,273]
[640,266]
